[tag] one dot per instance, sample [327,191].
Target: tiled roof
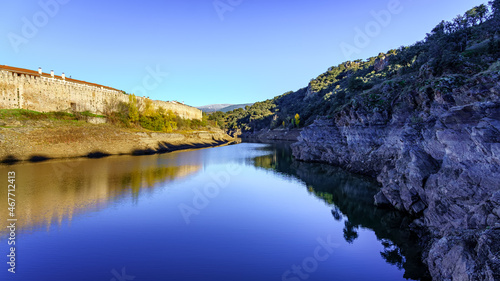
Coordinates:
[35,73]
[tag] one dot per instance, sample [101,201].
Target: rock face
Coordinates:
[310,92]
[470,255]
[381,63]
[437,156]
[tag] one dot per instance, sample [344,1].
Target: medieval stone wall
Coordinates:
[45,94]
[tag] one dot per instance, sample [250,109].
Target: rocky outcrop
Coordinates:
[467,255]
[381,63]
[436,153]
[309,92]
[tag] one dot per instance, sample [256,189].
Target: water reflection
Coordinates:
[51,192]
[351,199]
[54,192]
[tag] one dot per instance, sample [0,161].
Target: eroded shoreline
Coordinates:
[36,141]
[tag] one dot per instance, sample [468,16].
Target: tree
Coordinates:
[439,30]
[133,112]
[149,109]
[472,16]
[169,118]
[460,22]
[495,7]
[495,12]
[451,26]
[482,11]
[297,120]
[495,19]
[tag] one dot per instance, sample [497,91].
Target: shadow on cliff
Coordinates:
[351,199]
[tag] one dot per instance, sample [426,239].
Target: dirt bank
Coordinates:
[31,140]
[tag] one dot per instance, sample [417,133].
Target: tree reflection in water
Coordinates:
[392,254]
[350,233]
[337,215]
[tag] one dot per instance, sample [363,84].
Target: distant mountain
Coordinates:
[212,107]
[222,107]
[235,106]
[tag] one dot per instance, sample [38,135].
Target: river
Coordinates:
[239,212]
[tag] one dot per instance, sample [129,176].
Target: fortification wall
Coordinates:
[44,94]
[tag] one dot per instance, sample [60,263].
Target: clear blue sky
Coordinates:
[256,50]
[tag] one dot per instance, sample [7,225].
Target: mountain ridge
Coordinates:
[222,107]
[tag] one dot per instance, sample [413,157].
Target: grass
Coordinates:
[89,114]
[24,114]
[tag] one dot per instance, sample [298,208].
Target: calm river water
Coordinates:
[240,212]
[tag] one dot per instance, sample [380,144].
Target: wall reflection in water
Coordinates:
[55,191]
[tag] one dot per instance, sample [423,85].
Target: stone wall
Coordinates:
[44,94]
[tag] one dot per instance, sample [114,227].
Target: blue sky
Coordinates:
[206,51]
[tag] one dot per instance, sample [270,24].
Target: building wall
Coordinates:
[46,94]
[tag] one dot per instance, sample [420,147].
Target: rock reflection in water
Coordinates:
[351,198]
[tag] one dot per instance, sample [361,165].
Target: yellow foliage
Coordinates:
[133,112]
[297,119]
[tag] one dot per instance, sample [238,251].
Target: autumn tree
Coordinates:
[133,112]
[297,120]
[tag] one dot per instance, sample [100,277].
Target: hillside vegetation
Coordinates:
[127,116]
[450,54]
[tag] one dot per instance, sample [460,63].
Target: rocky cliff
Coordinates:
[435,150]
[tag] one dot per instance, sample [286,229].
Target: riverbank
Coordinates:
[36,140]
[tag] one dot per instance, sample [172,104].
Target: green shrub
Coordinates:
[153,123]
